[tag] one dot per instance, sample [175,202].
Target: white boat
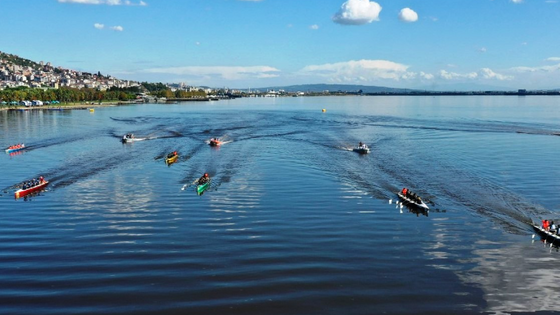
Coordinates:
[130,138]
[551,235]
[415,202]
[363,149]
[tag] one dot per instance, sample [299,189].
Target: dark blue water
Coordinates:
[294,222]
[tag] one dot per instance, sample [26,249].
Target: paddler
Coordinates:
[204,179]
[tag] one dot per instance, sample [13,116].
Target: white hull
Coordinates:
[410,201]
[128,140]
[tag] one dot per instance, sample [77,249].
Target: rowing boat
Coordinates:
[412,202]
[215,143]
[200,189]
[361,149]
[555,238]
[171,160]
[129,140]
[16,149]
[24,192]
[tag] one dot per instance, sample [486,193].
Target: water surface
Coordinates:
[295,222]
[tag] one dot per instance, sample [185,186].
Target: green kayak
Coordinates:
[201,188]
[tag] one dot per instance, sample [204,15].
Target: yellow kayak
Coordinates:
[171,160]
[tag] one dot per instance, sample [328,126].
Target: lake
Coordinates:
[294,221]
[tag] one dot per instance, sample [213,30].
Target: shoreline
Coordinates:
[67,106]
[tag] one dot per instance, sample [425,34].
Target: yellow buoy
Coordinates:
[92,110]
[324,110]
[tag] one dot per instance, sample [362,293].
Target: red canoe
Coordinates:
[24,192]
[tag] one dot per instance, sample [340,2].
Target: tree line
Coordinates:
[65,95]
[74,95]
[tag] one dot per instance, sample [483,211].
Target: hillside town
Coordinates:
[19,72]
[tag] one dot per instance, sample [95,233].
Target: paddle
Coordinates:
[188,185]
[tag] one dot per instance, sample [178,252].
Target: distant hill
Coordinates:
[335,88]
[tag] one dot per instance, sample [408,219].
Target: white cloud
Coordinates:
[553,59]
[107,2]
[408,15]
[487,73]
[100,26]
[427,76]
[516,1]
[314,27]
[482,49]
[358,70]
[357,12]
[544,69]
[484,73]
[453,75]
[228,73]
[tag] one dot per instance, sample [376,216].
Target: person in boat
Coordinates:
[204,179]
[360,145]
[172,154]
[404,191]
[545,225]
[41,180]
[552,227]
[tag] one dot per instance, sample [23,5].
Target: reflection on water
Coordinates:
[516,278]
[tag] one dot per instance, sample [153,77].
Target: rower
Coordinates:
[204,179]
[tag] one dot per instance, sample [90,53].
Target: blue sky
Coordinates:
[251,44]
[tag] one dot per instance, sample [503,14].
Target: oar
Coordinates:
[187,185]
